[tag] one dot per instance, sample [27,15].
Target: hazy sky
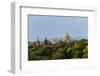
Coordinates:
[56,26]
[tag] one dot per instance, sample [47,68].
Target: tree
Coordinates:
[85,51]
[57,55]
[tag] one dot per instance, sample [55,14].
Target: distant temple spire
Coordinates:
[45,41]
[67,37]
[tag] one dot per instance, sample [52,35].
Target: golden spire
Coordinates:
[67,37]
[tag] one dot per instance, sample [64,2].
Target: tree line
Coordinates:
[72,49]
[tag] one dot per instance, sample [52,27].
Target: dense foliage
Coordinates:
[72,49]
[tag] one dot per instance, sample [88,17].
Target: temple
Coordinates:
[67,37]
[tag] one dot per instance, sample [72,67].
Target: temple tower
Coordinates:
[67,37]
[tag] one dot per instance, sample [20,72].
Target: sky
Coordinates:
[51,27]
